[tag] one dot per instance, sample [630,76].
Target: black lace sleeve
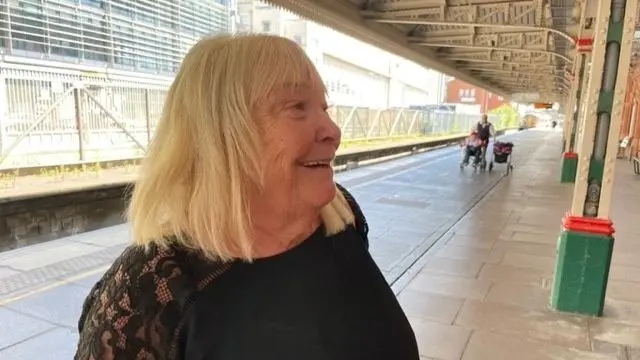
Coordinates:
[361,222]
[135,310]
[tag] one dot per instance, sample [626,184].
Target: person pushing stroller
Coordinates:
[472,147]
[485,130]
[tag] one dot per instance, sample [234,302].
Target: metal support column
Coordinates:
[582,113]
[572,102]
[583,49]
[582,60]
[586,243]
[569,157]
[77,99]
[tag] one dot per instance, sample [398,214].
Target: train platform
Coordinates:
[470,256]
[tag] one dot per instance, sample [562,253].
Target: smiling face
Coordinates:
[299,143]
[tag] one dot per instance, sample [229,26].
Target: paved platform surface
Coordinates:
[478,293]
[482,293]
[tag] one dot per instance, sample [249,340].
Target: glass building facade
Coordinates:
[137,35]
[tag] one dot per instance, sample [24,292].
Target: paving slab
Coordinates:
[493,288]
[58,305]
[58,343]
[16,327]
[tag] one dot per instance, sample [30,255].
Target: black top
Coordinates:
[324,299]
[484,130]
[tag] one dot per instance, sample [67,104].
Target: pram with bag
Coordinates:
[502,152]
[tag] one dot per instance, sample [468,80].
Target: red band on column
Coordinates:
[588,225]
[584,42]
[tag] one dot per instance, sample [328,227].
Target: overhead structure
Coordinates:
[524,50]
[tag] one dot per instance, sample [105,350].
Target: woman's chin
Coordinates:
[322,193]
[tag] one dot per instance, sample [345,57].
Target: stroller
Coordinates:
[502,155]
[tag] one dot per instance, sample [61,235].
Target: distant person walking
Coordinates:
[485,129]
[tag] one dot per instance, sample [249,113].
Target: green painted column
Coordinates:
[569,110]
[569,161]
[568,167]
[582,267]
[581,83]
[585,245]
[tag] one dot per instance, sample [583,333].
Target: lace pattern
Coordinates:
[135,310]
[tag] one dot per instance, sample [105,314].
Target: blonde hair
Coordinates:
[204,160]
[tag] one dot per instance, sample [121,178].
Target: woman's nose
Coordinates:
[328,131]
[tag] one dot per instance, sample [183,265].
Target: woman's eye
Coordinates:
[299,106]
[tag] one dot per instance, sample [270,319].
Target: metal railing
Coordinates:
[67,117]
[369,124]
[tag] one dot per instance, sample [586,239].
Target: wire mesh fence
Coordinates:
[54,117]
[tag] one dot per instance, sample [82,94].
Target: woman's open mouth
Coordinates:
[317,164]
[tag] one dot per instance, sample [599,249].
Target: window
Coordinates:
[145,52]
[98,4]
[461,93]
[473,92]
[64,33]
[94,36]
[122,9]
[145,12]
[266,26]
[27,27]
[124,44]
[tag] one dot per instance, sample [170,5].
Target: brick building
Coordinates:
[459,92]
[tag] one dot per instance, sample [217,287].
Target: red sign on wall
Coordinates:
[584,44]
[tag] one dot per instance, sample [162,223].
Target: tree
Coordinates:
[507,116]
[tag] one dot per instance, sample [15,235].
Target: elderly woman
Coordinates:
[245,248]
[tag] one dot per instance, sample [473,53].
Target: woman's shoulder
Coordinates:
[143,293]
[360,220]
